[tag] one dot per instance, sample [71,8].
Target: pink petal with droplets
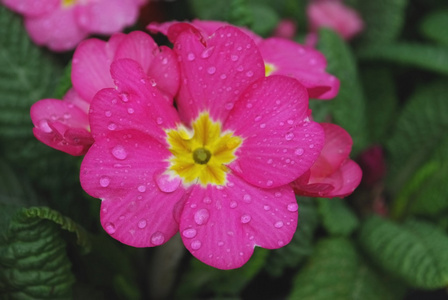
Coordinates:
[305,64]
[134,104]
[280,142]
[124,169]
[106,17]
[221,225]
[214,75]
[32,7]
[56,29]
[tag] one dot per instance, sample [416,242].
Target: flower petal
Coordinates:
[303,63]
[222,225]
[345,180]
[31,7]
[280,142]
[215,74]
[134,104]
[123,169]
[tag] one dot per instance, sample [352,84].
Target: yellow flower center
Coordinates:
[202,153]
[269,68]
[68,3]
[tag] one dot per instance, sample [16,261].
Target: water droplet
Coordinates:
[108,113]
[245,219]
[223,76]
[220,243]
[112,126]
[289,136]
[207,200]
[191,56]
[262,125]
[43,125]
[207,52]
[119,152]
[269,183]
[257,118]
[141,188]
[201,216]
[130,110]
[104,181]
[249,105]
[166,183]
[266,207]
[249,73]
[311,146]
[278,194]
[281,243]
[157,238]
[233,204]
[234,57]
[247,198]
[229,105]
[299,151]
[159,121]
[293,207]
[195,245]
[164,61]
[141,224]
[189,233]
[110,228]
[124,97]
[269,161]
[211,70]
[67,115]
[278,224]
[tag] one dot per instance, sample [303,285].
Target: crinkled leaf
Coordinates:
[337,218]
[435,26]
[337,272]
[264,19]
[348,108]
[425,56]
[210,9]
[201,279]
[384,20]
[301,245]
[416,252]
[420,129]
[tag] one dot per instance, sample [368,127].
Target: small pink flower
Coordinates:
[217,168]
[280,56]
[334,174]
[64,125]
[335,15]
[373,165]
[286,29]
[62,24]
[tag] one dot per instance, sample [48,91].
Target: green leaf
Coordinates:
[420,129]
[435,26]
[301,245]
[337,272]
[265,19]
[425,56]
[348,108]
[337,218]
[201,279]
[416,252]
[210,9]
[384,20]
[33,259]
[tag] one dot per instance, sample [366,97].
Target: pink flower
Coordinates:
[286,29]
[373,165]
[62,24]
[64,125]
[335,15]
[334,174]
[218,168]
[280,56]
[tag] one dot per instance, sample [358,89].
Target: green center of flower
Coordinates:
[201,156]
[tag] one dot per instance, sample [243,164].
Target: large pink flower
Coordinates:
[334,174]
[64,125]
[217,168]
[62,24]
[335,15]
[280,56]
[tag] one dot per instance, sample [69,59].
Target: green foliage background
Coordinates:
[394,87]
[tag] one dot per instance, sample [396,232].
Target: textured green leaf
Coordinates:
[416,252]
[428,57]
[33,260]
[435,26]
[420,129]
[201,279]
[210,9]
[264,19]
[337,272]
[384,20]
[348,108]
[337,218]
[301,245]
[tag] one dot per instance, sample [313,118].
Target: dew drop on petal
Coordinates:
[141,188]
[229,105]
[233,204]
[141,224]
[130,110]
[159,121]
[234,57]
[124,97]
[166,183]
[278,194]
[278,224]
[299,151]
[245,219]
[108,113]
[289,136]
[249,73]
[157,238]
[269,183]
[110,228]
[207,200]
[281,243]
[195,245]
[201,216]
[104,181]
[211,70]
[112,126]
[207,52]
[293,207]
[266,207]
[191,56]
[119,152]
[189,233]
[43,125]
[247,198]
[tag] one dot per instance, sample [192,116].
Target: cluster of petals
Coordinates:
[130,166]
[333,174]
[281,56]
[64,124]
[336,15]
[62,24]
